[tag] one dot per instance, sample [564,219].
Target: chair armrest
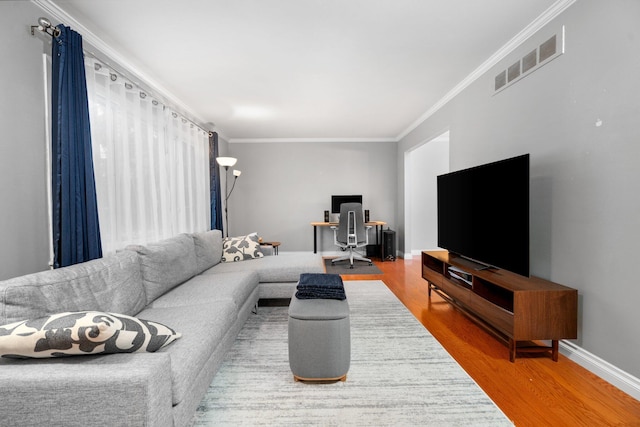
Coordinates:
[366,233]
[335,237]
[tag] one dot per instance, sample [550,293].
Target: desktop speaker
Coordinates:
[366,215]
[326,216]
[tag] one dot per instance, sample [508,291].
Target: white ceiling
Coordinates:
[305,69]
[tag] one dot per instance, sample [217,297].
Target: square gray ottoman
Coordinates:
[319,339]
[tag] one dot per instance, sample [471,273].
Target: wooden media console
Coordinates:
[519,310]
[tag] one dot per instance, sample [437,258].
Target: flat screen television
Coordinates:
[336,201]
[483,214]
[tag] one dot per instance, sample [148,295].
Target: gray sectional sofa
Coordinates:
[179,282]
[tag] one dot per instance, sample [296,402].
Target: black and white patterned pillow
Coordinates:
[82,333]
[241,248]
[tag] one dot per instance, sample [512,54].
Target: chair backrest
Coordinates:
[351,226]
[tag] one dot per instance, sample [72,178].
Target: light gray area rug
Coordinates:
[399,375]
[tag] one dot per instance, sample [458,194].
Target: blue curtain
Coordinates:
[76,232]
[214,183]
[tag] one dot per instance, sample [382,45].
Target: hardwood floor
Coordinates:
[533,391]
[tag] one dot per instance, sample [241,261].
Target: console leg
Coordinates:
[554,350]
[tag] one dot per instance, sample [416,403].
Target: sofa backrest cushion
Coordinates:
[112,284]
[208,246]
[166,264]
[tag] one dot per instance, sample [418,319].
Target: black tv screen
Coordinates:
[336,201]
[483,214]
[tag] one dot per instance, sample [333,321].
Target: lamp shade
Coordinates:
[236,173]
[226,161]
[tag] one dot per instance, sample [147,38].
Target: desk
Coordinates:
[331,224]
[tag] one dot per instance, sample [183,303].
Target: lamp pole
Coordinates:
[236,174]
[226,162]
[226,191]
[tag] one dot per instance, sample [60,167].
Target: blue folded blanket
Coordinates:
[320,286]
[321,279]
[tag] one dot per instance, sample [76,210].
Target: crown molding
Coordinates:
[133,72]
[545,18]
[305,140]
[104,52]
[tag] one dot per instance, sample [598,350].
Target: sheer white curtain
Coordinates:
[151,164]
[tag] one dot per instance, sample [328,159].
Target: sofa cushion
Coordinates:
[166,264]
[111,284]
[241,248]
[236,286]
[82,333]
[285,267]
[203,327]
[208,246]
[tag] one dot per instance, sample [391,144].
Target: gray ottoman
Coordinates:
[319,339]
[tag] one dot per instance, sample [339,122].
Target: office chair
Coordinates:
[351,232]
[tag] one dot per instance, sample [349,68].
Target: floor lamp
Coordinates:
[226,162]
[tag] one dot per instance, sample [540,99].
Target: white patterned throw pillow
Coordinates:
[82,333]
[241,248]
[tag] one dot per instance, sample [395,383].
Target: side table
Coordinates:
[275,246]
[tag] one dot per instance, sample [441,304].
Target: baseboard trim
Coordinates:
[605,370]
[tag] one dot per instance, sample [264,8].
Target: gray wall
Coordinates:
[286,186]
[423,165]
[24,241]
[578,116]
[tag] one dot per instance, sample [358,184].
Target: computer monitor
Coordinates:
[336,201]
